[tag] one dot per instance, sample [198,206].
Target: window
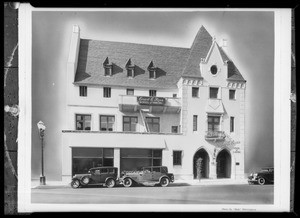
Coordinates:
[130,92]
[82,90]
[213,92]
[108,71]
[177,157]
[106,92]
[174,129]
[130,72]
[152,93]
[213,123]
[152,74]
[129,123]
[214,69]
[107,123]
[153,124]
[83,122]
[195,92]
[174,95]
[84,159]
[231,94]
[231,124]
[195,121]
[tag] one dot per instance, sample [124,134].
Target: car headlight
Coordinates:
[255,175]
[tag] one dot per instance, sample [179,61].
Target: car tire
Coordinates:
[75,183]
[85,180]
[127,182]
[110,183]
[261,181]
[164,182]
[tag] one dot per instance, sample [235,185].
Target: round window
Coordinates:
[213,69]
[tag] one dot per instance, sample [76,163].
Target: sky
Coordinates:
[250,41]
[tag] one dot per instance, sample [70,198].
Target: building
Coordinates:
[131,105]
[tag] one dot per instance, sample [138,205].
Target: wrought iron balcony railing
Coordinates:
[215,135]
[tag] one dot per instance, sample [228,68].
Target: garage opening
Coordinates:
[85,158]
[133,159]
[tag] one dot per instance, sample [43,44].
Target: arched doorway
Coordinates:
[205,163]
[224,164]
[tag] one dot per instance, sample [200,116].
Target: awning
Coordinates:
[214,106]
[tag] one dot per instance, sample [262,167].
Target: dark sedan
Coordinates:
[265,175]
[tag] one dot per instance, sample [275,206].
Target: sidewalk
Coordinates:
[61,184]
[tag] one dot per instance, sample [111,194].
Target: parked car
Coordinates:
[150,175]
[107,176]
[265,175]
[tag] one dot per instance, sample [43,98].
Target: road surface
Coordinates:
[173,194]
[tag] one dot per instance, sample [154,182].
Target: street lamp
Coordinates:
[42,128]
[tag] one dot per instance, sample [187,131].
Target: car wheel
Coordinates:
[261,181]
[110,183]
[164,182]
[85,180]
[75,183]
[127,182]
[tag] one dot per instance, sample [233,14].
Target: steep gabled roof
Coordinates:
[169,61]
[199,49]
[233,72]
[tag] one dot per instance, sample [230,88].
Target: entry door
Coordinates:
[221,167]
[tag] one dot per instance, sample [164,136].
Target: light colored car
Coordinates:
[150,175]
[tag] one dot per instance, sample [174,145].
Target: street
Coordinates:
[177,193]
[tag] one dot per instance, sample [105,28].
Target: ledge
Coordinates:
[112,132]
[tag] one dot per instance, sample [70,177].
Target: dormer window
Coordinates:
[130,68]
[107,67]
[152,70]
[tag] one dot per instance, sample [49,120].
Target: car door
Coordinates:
[96,175]
[103,175]
[146,176]
[156,174]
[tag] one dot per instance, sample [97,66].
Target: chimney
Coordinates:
[223,44]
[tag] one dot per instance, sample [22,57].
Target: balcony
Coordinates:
[131,103]
[215,135]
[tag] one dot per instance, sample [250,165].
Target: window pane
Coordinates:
[155,120]
[156,162]
[79,126]
[156,169]
[216,119]
[103,119]
[209,119]
[157,153]
[133,127]
[87,152]
[126,127]
[108,152]
[111,119]
[214,92]
[126,119]
[108,162]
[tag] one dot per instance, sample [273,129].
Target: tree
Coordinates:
[199,167]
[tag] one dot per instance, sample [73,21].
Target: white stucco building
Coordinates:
[131,105]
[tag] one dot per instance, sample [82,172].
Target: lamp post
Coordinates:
[42,128]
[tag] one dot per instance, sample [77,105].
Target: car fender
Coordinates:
[164,176]
[110,178]
[130,178]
